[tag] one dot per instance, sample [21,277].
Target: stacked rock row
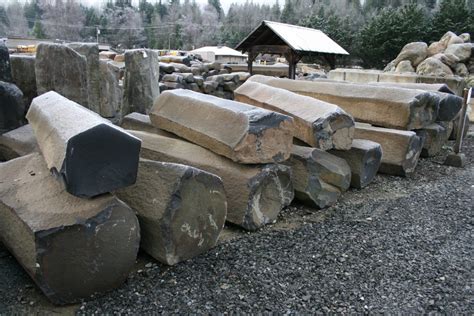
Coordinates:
[249,144]
[407,120]
[72,187]
[78,72]
[204,78]
[451,55]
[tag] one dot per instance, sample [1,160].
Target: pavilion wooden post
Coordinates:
[291,56]
[250,59]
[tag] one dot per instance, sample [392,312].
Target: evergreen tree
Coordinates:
[38,30]
[288,14]
[452,15]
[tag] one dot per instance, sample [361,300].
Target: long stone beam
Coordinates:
[319,124]
[92,155]
[255,193]
[388,107]
[241,132]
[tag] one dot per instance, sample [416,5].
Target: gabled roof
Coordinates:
[219,51]
[298,38]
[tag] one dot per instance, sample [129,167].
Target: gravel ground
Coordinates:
[402,245]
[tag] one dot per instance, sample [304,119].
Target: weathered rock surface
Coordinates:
[141,83]
[91,52]
[74,249]
[450,38]
[449,104]
[364,159]
[92,155]
[404,66]
[62,69]
[433,67]
[181,209]
[448,59]
[436,48]
[12,108]
[18,142]
[239,131]
[466,37]
[111,93]
[414,52]
[5,68]
[319,124]
[318,177]
[434,137]
[400,149]
[461,70]
[24,76]
[389,107]
[461,51]
[255,193]
[141,122]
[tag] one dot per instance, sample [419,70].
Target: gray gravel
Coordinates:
[402,245]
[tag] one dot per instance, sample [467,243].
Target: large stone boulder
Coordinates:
[12,108]
[450,38]
[415,52]
[461,70]
[24,76]
[447,59]
[5,69]
[62,69]
[141,83]
[461,51]
[91,52]
[404,66]
[433,67]
[466,37]
[436,48]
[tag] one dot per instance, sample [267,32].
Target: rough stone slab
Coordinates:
[18,142]
[91,52]
[318,177]
[388,107]
[434,137]
[434,87]
[92,155]
[255,193]
[73,248]
[141,82]
[60,68]
[24,76]
[239,131]
[111,92]
[5,68]
[317,123]
[181,209]
[141,122]
[400,149]
[449,104]
[364,159]
[12,108]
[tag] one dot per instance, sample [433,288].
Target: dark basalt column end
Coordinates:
[78,262]
[100,160]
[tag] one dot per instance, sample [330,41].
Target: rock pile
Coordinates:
[451,55]
[207,78]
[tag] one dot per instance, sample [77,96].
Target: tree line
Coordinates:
[373,31]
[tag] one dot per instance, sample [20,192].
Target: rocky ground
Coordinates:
[402,245]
